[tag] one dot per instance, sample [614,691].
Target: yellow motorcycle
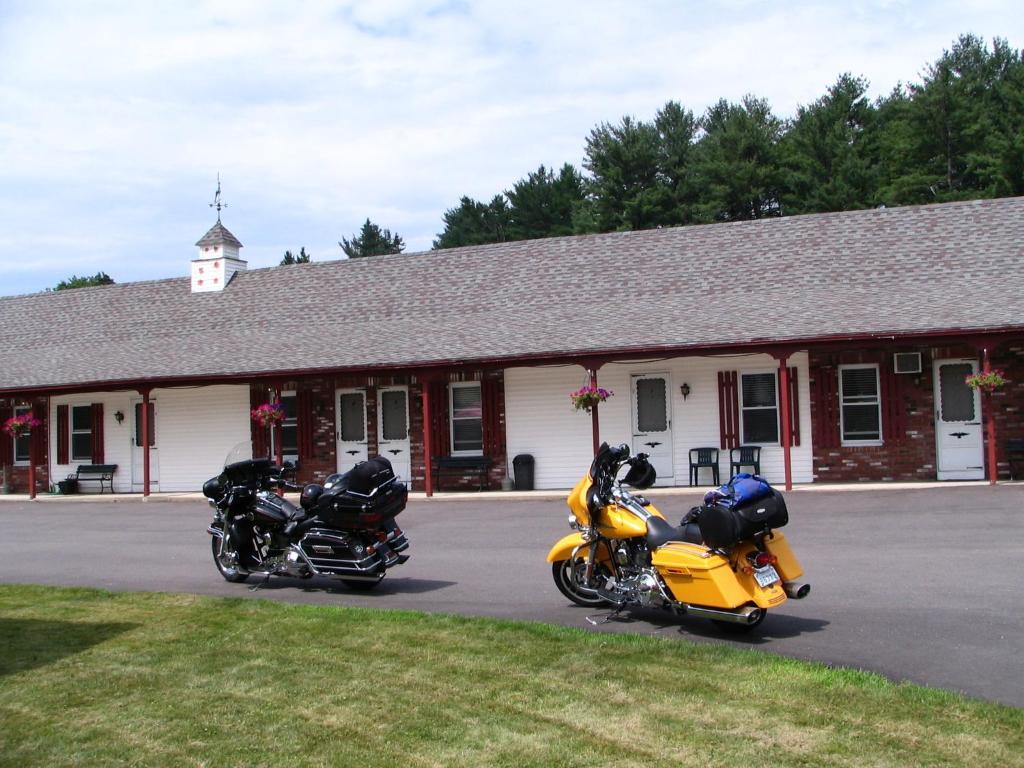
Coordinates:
[726,561]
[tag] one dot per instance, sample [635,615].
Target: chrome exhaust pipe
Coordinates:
[215,532]
[797,590]
[748,614]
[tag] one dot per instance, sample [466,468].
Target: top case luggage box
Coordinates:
[363,497]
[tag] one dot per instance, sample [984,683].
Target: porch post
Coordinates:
[145,442]
[787,420]
[990,420]
[595,422]
[33,440]
[428,447]
[278,433]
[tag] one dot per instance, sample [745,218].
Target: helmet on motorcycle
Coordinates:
[213,488]
[310,494]
[641,473]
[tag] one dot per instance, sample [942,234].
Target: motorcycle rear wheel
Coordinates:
[564,573]
[231,573]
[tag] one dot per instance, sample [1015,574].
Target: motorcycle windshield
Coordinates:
[241,452]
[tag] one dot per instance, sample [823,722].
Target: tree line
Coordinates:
[957,134]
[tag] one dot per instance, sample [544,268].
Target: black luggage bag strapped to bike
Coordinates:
[363,497]
[742,509]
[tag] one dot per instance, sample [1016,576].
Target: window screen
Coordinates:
[956,398]
[651,405]
[353,417]
[22,450]
[760,412]
[861,407]
[81,433]
[467,415]
[393,415]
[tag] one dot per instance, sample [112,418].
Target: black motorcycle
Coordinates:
[343,529]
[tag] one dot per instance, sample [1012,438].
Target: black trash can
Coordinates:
[522,468]
[67,486]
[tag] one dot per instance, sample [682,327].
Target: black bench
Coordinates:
[460,465]
[104,473]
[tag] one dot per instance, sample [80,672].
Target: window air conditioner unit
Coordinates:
[907,362]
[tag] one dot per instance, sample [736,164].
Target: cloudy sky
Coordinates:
[116,117]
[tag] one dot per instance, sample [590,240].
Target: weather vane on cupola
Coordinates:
[216,200]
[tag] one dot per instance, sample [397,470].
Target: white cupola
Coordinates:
[218,259]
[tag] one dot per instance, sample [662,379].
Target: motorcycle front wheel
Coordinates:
[230,572]
[567,575]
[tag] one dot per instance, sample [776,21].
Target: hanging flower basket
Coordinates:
[586,397]
[268,414]
[19,426]
[987,382]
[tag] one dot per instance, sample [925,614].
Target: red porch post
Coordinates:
[786,417]
[595,421]
[990,421]
[33,441]
[145,442]
[428,448]
[278,433]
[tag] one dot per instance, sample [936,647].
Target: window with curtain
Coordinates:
[81,433]
[860,413]
[466,409]
[759,409]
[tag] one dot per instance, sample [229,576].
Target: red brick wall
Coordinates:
[17,476]
[324,459]
[912,456]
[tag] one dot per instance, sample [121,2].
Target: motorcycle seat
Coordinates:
[660,531]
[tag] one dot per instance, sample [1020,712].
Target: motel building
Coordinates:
[830,347]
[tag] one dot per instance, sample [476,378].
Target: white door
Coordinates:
[352,439]
[393,429]
[958,440]
[138,478]
[652,422]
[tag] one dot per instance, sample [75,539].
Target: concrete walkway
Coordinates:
[561,493]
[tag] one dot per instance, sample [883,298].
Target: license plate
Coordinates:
[766,576]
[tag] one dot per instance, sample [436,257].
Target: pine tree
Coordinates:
[475,223]
[372,241]
[290,258]
[542,204]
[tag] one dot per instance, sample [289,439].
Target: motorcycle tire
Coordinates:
[561,571]
[230,573]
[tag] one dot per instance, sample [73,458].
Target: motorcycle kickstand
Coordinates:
[261,584]
[608,617]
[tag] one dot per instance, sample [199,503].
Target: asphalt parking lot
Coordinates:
[918,584]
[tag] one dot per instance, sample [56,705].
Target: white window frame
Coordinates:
[18,411]
[288,422]
[775,389]
[451,416]
[71,433]
[843,440]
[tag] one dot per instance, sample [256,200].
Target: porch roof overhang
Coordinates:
[978,338]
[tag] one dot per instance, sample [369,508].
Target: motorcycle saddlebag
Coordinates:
[723,526]
[363,497]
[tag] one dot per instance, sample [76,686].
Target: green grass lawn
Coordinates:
[94,678]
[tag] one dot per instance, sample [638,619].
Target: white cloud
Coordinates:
[115,118]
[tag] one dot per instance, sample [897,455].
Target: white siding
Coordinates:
[117,447]
[195,429]
[540,419]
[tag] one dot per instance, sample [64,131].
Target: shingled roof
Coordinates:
[218,234]
[888,272]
